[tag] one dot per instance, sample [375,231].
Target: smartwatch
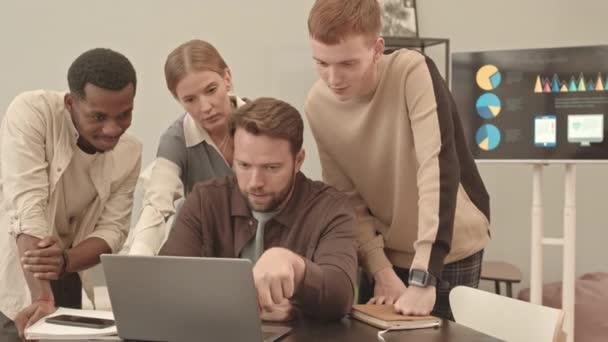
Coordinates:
[421,278]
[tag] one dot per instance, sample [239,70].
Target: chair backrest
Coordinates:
[505,318]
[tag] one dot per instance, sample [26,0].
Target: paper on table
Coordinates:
[42,329]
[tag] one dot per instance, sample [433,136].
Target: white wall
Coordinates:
[265,44]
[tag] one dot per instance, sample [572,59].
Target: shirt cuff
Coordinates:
[422,259]
[114,239]
[322,293]
[141,248]
[311,283]
[149,232]
[372,256]
[33,226]
[375,260]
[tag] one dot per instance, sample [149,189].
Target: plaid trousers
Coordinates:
[462,272]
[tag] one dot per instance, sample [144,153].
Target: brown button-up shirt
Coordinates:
[317,223]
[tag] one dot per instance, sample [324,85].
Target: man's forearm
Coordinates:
[326,292]
[38,288]
[86,254]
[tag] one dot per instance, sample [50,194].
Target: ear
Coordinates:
[299,160]
[68,101]
[378,48]
[228,79]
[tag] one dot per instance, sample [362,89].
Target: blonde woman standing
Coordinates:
[196,147]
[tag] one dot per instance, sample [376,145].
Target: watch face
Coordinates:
[418,278]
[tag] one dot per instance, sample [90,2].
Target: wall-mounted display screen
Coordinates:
[535,104]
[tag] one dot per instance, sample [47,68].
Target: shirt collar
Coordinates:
[194,134]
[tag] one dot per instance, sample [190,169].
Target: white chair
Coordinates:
[506,318]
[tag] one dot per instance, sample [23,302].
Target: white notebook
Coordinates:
[49,331]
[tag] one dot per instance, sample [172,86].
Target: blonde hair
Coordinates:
[332,21]
[194,55]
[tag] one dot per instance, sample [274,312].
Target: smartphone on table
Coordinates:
[80,321]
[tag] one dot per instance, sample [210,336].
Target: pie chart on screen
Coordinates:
[487,137]
[488,106]
[488,77]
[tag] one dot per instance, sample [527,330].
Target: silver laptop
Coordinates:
[160,298]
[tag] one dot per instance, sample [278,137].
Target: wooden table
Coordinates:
[355,331]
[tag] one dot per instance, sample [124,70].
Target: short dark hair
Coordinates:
[103,68]
[270,117]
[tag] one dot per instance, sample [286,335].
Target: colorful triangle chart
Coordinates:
[575,84]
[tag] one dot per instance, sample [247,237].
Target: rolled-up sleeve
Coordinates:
[327,289]
[114,222]
[24,168]
[186,237]
[162,188]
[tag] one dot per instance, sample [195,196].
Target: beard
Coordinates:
[276,198]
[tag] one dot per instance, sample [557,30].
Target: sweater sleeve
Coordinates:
[430,112]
